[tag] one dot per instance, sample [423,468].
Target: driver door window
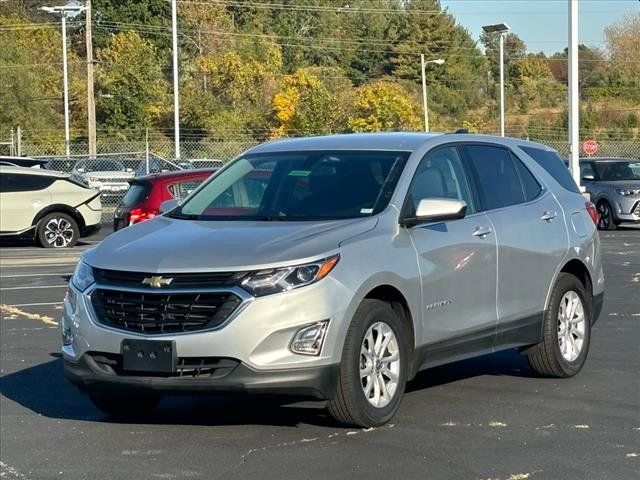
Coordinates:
[440,175]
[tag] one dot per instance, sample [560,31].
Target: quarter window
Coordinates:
[439,175]
[497,177]
[553,164]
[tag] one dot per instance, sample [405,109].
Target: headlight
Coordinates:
[83,276]
[266,282]
[626,192]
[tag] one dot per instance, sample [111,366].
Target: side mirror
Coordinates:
[437,209]
[169,205]
[588,178]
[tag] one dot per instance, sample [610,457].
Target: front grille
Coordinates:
[186,367]
[158,313]
[180,280]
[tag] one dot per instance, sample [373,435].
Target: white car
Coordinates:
[48,206]
[111,177]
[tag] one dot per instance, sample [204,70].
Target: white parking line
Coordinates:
[37,286]
[35,275]
[35,304]
[32,266]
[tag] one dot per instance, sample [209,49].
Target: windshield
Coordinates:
[315,185]
[622,170]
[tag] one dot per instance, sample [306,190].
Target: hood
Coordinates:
[166,245]
[109,174]
[628,184]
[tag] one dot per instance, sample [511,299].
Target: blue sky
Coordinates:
[542,24]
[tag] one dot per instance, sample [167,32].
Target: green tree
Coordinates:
[131,93]
[381,106]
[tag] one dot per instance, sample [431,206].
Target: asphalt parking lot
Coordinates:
[487,418]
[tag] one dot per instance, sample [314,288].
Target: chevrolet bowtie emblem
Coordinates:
[157,281]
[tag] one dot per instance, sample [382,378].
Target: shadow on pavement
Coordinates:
[45,390]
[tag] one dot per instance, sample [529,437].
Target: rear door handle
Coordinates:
[482,232]
[548,216]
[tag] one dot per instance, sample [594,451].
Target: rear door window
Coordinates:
[553,164]
[496,176]
[184,188]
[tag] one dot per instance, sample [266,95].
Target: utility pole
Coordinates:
[176,102]
[574,108]
[91,104]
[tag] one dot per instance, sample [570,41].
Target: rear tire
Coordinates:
[375,328]
[566,331]
[57,230]
[125,407]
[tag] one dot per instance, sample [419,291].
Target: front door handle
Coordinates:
[548,216]
[482,232]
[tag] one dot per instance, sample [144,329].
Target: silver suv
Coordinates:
[614,186]
[337,268]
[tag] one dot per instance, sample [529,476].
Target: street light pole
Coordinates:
[71,10]
[425,107]
[65,81]
[574,111]
[176,101]
[502,29]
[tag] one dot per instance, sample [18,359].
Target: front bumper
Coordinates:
[627,209]
[316,382]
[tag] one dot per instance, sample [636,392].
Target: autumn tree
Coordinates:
[383,106]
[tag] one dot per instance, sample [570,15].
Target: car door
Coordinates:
[457,261]
[22,196]
[531,236]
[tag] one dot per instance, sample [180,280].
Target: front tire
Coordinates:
[125,407]
[57,230]
[566,331]
[605,216]
[373,369]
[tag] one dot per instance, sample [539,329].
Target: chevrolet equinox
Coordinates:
[337,268]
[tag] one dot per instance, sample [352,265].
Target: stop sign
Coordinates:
[590,147]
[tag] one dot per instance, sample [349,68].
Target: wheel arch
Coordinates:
[578,269]
[400,305]
[61,208]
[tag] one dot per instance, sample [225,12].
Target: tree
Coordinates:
[303,106]
[31,82]
[131,92]
[381,106]
[623,42]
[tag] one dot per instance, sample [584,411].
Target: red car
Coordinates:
[142,200]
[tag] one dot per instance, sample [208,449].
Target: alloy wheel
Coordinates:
[58,232]
[571,326]
[604,219]
[379,364]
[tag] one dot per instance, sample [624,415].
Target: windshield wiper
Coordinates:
[182,216]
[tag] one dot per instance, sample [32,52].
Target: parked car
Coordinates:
[614,186]
[47,206]
[109,176]
[12,161]
[365,259]
[142,200]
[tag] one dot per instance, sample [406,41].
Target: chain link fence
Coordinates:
[118,161]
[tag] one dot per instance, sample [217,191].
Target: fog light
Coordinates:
[67,335]
[309,340]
